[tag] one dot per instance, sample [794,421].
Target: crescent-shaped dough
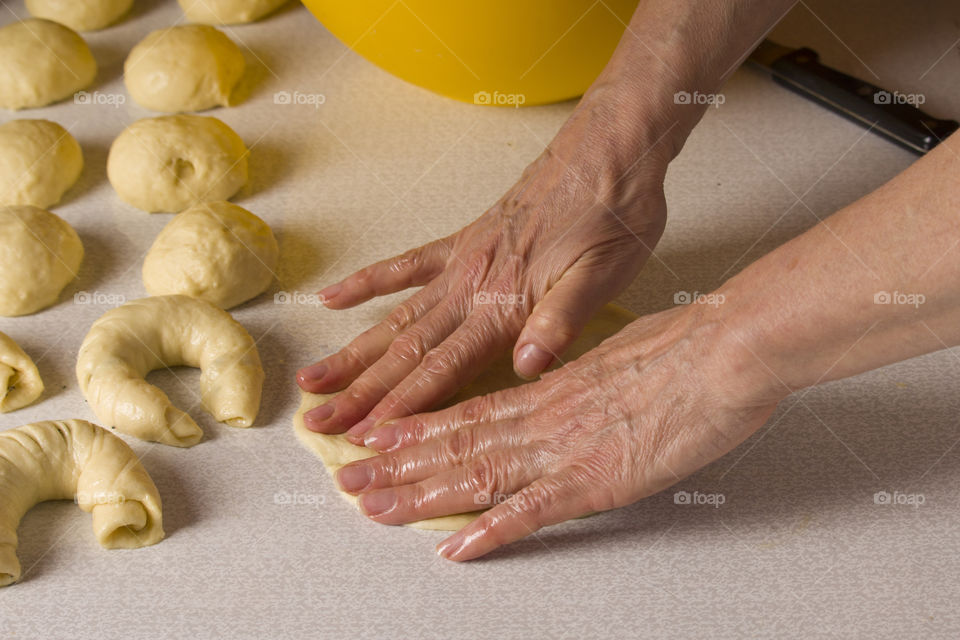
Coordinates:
[20,382]
[335,451]
[128,342]
[73,459]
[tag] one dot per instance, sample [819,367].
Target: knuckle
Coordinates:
[401,317]
[442,362]
[412,260]
[419,496]
[363,277]
[356,393]
[484,475]
[409,346]
[472,410]
[458,446]
[389,468]
[536,500]
[416,432]
[352,354]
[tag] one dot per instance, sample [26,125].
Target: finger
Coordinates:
[548,500]
[443,371]
[557,320]
[460,490]
[403,356]
[335,372]
[435,456]
[411,269]
[421,427]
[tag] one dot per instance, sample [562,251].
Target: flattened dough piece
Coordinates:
[335,451]
[42,62]
[39,161]
[20,382]
[186,68]
[39,254]
[73,459]
[228,11]
[80,15]
[135,338]
[170,163]
[215,251]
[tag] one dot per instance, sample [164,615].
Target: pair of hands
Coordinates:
[626,420]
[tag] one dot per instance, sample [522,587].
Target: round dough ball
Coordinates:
[169,163]
[80,15]
[228,11]
[39,160]
[187,68]
[39,254]
[42,62]
[215,251]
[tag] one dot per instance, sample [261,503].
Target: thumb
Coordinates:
[557,320]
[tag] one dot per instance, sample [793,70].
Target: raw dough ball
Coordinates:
[215,251]
[39,254]
[39,160]
[172,162]
[42,62]
[228,11]
[20,382]
[335,451]
[80,15]
[187,68]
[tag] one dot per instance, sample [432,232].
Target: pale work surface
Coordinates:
[260,545]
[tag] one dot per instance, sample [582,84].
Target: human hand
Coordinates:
[570,235]
[667,395]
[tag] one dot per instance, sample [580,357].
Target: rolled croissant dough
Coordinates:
[20,382]
[140,336]
[64,459]
[335,451]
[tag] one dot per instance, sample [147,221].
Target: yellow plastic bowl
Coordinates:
[495,52]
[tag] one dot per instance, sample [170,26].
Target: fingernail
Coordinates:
[531,360]
[318,414]
[383,438]
[450,546]
[331,292]
[313,372]
[354,478]
[379,502]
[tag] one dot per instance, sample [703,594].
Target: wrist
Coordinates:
[746,361]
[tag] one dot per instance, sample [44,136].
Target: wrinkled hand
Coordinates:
[570,235]
[643,410]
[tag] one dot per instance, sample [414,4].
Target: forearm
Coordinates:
[673,46]
[876,283]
